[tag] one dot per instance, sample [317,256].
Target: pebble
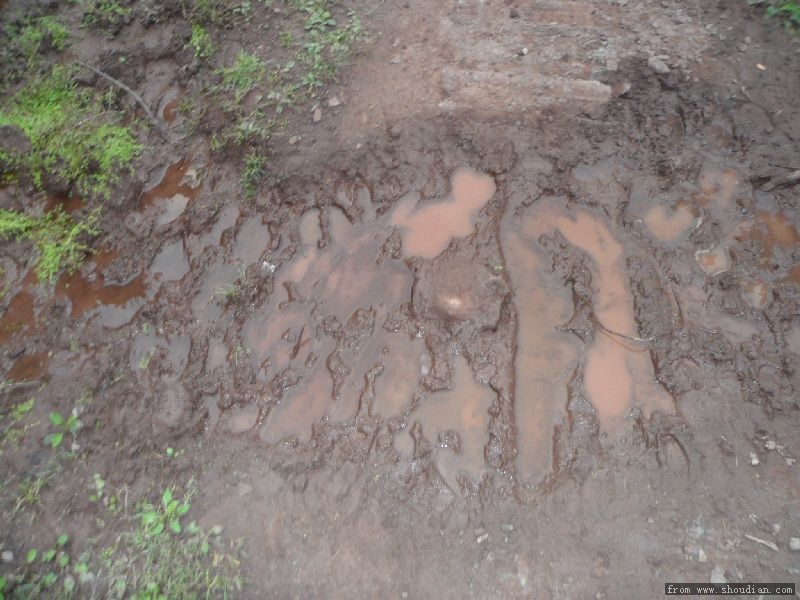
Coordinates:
[334,101]
[770,445]
[657,65]
[293,140]
[317,115]
[701,556]
[8,556]
[483,538]
[754,459]
[794,544]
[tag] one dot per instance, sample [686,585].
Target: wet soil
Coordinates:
[513,320]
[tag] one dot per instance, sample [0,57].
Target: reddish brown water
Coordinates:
[713,261]
[173,183]
[170,110]
[618,373]
[465,410]
[87,294]
[18,318]
[427,229]
[29,367]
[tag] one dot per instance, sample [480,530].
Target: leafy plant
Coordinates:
[787,9]
[72,136]
[63,425]
[106,14]
[55,235]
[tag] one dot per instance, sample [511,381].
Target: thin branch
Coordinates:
[148,113]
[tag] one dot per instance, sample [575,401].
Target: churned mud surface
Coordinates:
[518,317]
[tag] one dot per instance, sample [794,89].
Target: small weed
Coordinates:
[71,135]
[247,72]
[222,13]
[234,291]
[63,425]
[30,488]
[55,235]
[253,171]
[201,42]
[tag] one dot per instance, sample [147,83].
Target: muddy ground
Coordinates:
[516,315]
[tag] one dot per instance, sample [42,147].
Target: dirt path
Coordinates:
[516,313]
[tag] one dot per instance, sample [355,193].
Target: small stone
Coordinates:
[8,556]
[701,556]
[776,528]
[317,115]
[334,101]
[754,459]
[657,65]
[718,575]
[483,538]
[794,544]
[523,52]
[761,67]
[770,445]
[293,140]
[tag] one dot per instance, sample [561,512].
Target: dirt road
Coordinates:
[515,312]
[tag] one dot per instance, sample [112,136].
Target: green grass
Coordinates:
[103,14]
[56,236]
[72,135]
[31,33]
[252,173]
[201,42]
[247,71]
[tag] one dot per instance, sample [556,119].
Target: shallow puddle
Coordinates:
[757,294]
[29,367]
[464,410]
[172,194]
[713,261]
[618,372]
[545,356]
[170,264]
[115,304]
[428,229]
[18,318]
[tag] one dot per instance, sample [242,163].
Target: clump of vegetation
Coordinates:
[56,236]
[71,134]
[201,42]
[247,71]
[787,10]
[253,171]
[222,13]
[32,34]
[157,555]
[104,14]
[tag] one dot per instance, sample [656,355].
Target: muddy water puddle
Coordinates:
[172,194]
[617,370]
[427,229]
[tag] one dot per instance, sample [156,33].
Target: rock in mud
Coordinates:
[457,291]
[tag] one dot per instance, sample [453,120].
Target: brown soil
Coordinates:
[519,316]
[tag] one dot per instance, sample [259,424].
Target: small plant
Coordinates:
[233,291]
[30,488]
[247,72]
[63,425]
[72,136]
[201,42]
[55,235]
[253,171]
[15,430]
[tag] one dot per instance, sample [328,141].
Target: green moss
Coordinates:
[73,137]
[56,236]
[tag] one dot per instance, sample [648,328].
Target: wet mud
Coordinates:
[534,331]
